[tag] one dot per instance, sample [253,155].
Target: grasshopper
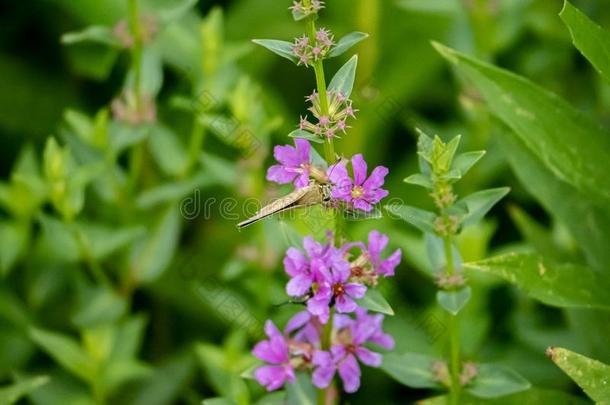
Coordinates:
[312,194]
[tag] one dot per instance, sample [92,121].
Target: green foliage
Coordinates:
[591,375]
[496,381]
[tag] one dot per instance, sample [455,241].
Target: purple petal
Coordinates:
[272,331]
[345,304]
[377,242]
[376,179]
[298,285]
[280,175]
[388,265]
[302,148]
[362,205]
[337,172]
[302,180]
[286,155]
[359,168]
[295,262]
[368,357]
[324,373]
[350,374]
[265,351]
[273,377]
[319,308]
[297,321]
[383,340]
[355,290]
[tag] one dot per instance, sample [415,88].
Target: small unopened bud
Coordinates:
[441,372]
[446,225]
[451,282]
[469,372]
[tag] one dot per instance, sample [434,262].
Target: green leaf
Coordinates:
[174,13]
[99,307]
[591,375]
[14,237]
[302,392]
[411,369]
[539,237]
[479,203]
[96,33]
[454,301]
[65,351]
[435,248]
[569,143]
[495,381]
[421,219]
[153,255]
[562,285]
[218,401]
[276,398]
[590,39]
[464,161]
[373,300]
[343,81]
[299,133]
[567,204]
[346,42]
[13,393]
[167,150]
[281,48]
[419,180]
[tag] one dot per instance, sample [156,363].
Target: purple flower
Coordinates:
[337,288]
[295,164]
[321,259]
[343,357]
[377,243]
[306,328]
[276,352]
[362,192]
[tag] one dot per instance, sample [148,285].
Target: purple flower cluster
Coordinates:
[328,277]
[298,349]
[329,125]
[309,50]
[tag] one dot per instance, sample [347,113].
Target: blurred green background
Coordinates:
[186,295]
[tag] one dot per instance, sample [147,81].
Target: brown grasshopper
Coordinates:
[312,194]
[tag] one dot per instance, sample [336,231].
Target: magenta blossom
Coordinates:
[335,288]
[294,164]
[276,352]
[306,328]
[313,268]
[361,192]
[344,355]
[377,243]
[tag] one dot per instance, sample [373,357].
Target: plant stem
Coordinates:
[454,333]
[85,251]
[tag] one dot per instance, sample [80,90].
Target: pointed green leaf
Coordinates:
[374,301]
[567,141]
[302,392]
[65,351]
[421,219]
[153,255]
[454,301]
[168,15]
[411,369]
[299,133]
[276,398]
[562,285]
[12,393]
[479,203]
[281,48]
[591,375]
[464,161]
[13,239]
[346,42]
[343,81]
[590,39]
[167,150]
[419,180]
[96,33]
[493,381]
[218,401]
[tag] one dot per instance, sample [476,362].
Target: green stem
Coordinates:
[196,142]
[85,251]
[454,333]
